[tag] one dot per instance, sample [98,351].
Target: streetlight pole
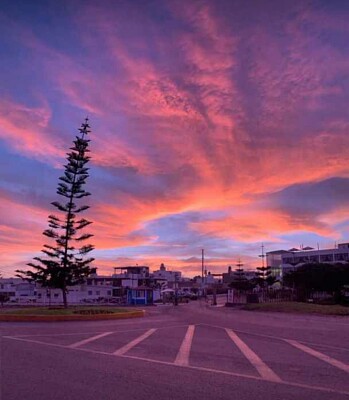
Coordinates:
[263,271]
[176,289]
[202,273]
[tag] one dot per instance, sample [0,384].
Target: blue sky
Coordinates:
[219,125]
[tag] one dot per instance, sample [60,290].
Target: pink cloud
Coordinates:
[27,130]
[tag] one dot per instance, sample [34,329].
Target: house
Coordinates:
[136,285]
[17,289]
[167,275]
[140,295]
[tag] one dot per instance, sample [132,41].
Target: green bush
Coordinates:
[92,311]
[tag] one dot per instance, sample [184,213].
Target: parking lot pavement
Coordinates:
[209,348]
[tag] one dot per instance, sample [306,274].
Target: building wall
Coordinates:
[170,276]
[294,259]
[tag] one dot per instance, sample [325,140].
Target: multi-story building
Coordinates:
[136,283]
[274,261]
[167,275]
[133,285]
[284,261]
[17,289]
[128,285]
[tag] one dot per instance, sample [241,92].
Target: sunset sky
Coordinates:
[215,124]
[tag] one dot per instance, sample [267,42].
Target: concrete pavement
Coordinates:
[186,352]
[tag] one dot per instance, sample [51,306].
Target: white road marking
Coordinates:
[88,340]
[133,343]
[215,371]
[264,371]
[321,356]
[274,337]
[236,374]
[52,334]
[33,341]
[88,333]
[184,351]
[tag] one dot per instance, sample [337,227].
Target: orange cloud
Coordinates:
[253,226]
[208,116]
[27,130]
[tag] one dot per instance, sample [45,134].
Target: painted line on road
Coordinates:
[264,371]
[88,333]
[216,371]
[274,337]
[53,334]
[34,341]
[184,351]
[133,343]
[326,346]
[244,332]
[238,375]
[88,340]
[321,356]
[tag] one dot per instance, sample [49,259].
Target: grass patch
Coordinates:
[299,308]
[63,311]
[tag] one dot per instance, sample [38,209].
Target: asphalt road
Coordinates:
[186,352]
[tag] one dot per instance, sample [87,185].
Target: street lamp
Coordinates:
[176,289]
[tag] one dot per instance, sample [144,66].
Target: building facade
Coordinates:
[285,261]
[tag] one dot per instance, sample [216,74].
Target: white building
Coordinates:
[17,289]
[166,275]
[284,261]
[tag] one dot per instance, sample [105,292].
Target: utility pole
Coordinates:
[202,272]
[202,265]
[176,289]
[262,255]
[262,270]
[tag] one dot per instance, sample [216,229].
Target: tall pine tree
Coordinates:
[240,282]
[64,263]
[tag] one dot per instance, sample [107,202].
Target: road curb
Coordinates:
[77,317]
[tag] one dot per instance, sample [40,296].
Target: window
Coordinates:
[326,257]
[56,295]
[90,292]
[341,257]
[109,292]
[98,292]
[139,293]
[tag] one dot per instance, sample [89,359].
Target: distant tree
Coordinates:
[322,277]
[4,298]
[264,277]
[240,281]
[64,264]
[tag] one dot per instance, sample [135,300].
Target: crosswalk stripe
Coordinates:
[91,339]
[184,351]
[264,371]
[317,354]
[133,343]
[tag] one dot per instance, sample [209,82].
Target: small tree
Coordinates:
[64,264]
[240,282]
[264,277]
[4,298]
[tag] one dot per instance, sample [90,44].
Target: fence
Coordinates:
[276,296]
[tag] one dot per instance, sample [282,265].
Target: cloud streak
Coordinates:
[217,124]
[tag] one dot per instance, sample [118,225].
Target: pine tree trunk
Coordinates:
[65,302]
